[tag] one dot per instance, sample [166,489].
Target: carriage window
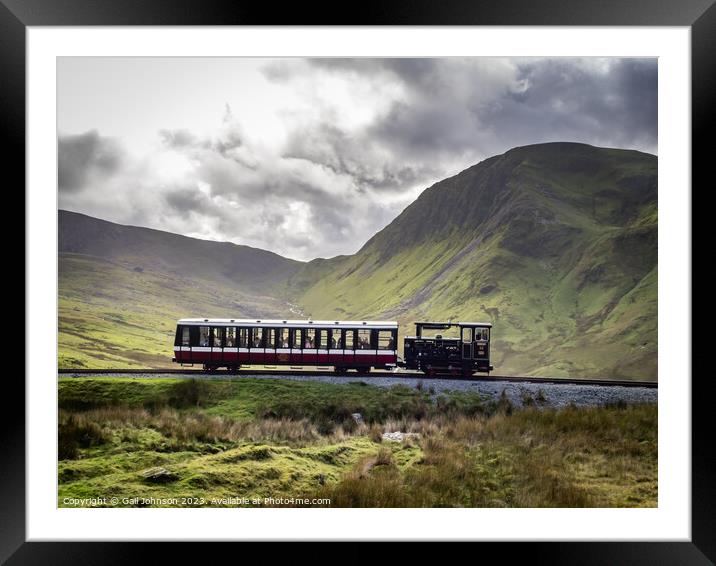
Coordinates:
[270,337]
[282,338]
[230,337]
[185,340]
[309,340]
[296,341]
[336,341]
[241,335]
[467,335]
[203,336]
[386,340]
[482,334]
[257,337]
[363,342]
[348,339]
[218,336]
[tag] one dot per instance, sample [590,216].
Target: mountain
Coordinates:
[171,253]
[555,244]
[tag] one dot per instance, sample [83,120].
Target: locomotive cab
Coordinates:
[475,338]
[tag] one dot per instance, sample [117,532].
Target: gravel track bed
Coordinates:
[555,394]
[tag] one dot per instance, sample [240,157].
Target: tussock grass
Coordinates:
[599,457]
[183,427]
[78,431]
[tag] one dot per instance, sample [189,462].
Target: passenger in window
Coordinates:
[309,342]
[257,342]
[391,344]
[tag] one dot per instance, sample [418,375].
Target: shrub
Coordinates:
[376,433]
[384,457]
[504,405]
[189,393]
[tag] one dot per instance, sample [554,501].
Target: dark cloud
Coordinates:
[562,100]
[186,200]
[177,139]
[81,158]
[358,157]
[477,107]
[426,74]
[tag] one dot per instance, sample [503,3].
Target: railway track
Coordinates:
[284,372]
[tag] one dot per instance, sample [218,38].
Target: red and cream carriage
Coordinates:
[232,343]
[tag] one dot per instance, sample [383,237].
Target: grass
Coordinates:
[243,399]
[601,457]
[238,438]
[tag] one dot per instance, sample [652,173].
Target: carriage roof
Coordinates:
[253,322]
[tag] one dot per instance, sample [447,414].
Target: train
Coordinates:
[342,345]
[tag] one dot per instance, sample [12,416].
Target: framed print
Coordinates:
[297,278]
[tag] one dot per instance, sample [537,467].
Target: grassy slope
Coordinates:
[272,438]
[554,244]
[113,316]
[225,263]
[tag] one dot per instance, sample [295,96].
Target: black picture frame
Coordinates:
[17,15]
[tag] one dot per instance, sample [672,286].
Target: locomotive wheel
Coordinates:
[340,370]
[364,369]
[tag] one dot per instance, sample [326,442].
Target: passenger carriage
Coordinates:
[231,343]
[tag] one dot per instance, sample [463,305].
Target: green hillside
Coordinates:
[240,266]
[113,316]
[556,244]
[122,289]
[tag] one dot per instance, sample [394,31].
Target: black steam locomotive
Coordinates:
[465,354]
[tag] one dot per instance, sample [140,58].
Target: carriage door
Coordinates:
[466,343]
[217,344]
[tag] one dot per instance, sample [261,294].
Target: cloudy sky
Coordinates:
[310,157]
